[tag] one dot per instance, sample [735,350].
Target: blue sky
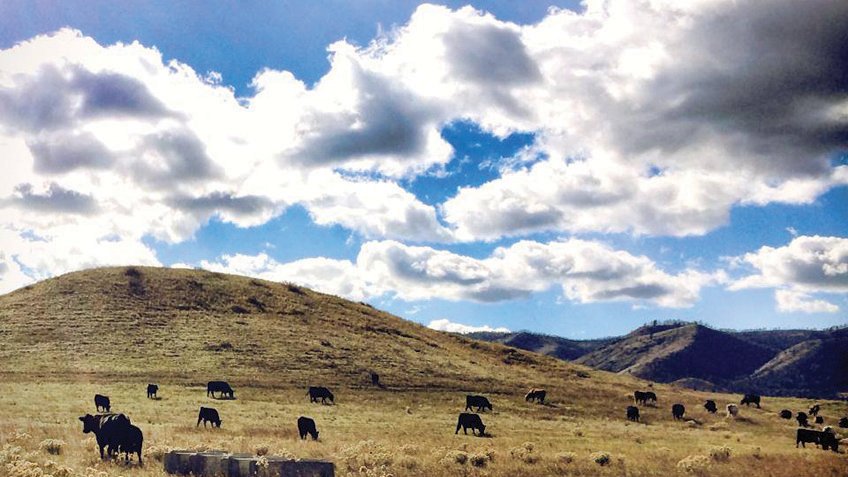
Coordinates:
[571,169]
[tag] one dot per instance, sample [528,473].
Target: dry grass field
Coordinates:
[111,331]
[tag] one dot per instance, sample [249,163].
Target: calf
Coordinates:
[801,417]
[710,406]
[208,414]
[130,443]
[480,402]
[152,389]
[473,421]
[786,414]
[749,399]
[819,419]
[101,401]
[678,411]
[633,413]
[319,392]
[306,425]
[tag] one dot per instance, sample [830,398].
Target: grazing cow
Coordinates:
[710,406]
[786,414]
[473,421]
[537,395]
[633,413]
[814,411]
[208,414]
[749,399]
[130,443]
[152,389]
[819,419]
[802,419]
[678,411]
[305,425]
[480,402]
[101,401]
[322,393]
[640,397]
[826,440]
[375,379]
[221,387]
[108,430]
[732,410]
[843,423]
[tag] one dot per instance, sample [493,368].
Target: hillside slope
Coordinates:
[191,326]
[555,346]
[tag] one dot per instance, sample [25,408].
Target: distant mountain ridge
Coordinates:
[809,363]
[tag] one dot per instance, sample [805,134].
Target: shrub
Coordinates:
[578,432]
[57,470]
[720,453]
[566,457]
[407,462]
[479,460]
[52,446]
[156,452]
[366,454]
[455,457]
[600,458]
[262,450]
[524,453]
[24,468]
[694,463]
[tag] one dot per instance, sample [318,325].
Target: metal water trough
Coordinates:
[224,464]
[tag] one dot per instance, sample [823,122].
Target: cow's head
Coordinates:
[482,429]
[218,423]
[90,423]
[314,435]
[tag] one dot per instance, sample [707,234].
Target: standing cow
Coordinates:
[152,389]
[319,392]
[633,413]
[108,429]
[305,425]
[473,421]
[208,414]
[130,443]
[537,395]
[101,401]
[221,387]
[710,406]
[801,417]
[480,402]
[749,399]
[677,411]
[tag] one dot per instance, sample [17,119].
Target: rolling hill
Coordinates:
[555,346]
[192,325]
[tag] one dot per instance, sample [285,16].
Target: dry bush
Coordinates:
[695,464]
[367,455]
[262,450]
[58,470]
[479,460]
[156,452]
[455,457]
[566,457]
[720,453]
[52,446]
[524,453]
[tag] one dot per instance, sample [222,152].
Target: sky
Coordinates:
[575,169]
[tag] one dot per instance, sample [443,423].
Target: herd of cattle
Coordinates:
[116,434]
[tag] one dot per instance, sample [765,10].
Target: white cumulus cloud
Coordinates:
[446,325]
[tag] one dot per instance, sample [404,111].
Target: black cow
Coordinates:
[824,439]
[480,402]
[152,389]
[633,413]
[375,379]
[320,392]
[221,387]
[814,411]
[537,395]
[306,425]
[208,414]
[473,421]
[843,423]
[819,419]
[678,411]
[108,429]
[650,396]
[749,399]
[130,443]
[786,414]
[710,406]
[640,397]
[801,417]
[101,401]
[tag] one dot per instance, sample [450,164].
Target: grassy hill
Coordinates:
[555,346]
[113,330]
